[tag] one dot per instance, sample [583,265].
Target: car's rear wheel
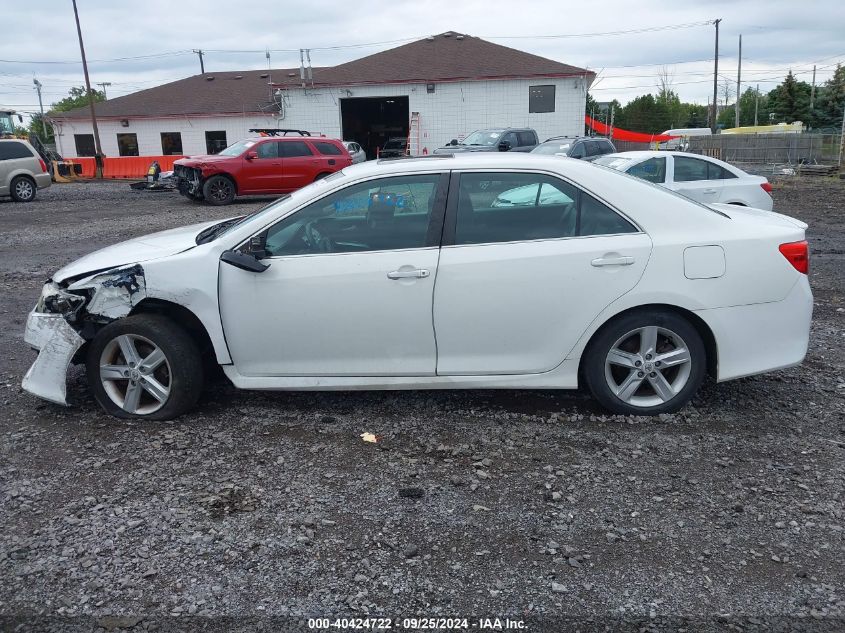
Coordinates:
[144,366]
[219,190]
[645,363]
[22,189]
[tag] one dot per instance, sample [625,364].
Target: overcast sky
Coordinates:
[777,36]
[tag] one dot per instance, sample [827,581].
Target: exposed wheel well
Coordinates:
[322,175]
[184,318]
[696,321]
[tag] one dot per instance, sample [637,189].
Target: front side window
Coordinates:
[652,170]
[690,169]
[377,215]
[578,151]
[268,149]
[292,149]
[503,207]
[328,149]
[127,144]
[171,143]
[541,99]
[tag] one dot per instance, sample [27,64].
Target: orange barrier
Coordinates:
[125,166]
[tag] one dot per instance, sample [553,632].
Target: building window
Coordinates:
[171,143]
[215,142]
[541,98]
[84,144]
[127,144]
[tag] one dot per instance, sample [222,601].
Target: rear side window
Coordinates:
[11,149]
[652,170]
[690,169]
[518,207]
[526,138]
[329,149]
[717,172]
[593,148]
[606,147]
[291,149]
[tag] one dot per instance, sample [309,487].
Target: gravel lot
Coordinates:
[260,510]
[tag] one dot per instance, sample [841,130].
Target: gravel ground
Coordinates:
[263,509]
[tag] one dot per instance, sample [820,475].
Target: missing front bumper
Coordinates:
[57,343]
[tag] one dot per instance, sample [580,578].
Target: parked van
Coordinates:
[681,143]
[22,170]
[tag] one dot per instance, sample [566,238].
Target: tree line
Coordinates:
[790,101]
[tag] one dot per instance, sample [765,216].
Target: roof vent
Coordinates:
[459,37]
[209,77]
[264,75]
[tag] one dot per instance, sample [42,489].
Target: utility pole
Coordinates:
[98,152]
[715,79]
[756,102]
[41,107]
[199,52]
[738,76]
[104,84]
[813,89]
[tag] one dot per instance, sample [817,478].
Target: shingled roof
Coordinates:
[448,56]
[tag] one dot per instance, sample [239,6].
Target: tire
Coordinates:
[219,190]
[22,189]
[642,377]
[177,377]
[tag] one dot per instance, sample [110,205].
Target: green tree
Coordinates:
[77,98]
[790,101]
[37,129]
[644,114]
[830,100]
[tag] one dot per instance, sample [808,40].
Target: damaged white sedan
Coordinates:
[483,271]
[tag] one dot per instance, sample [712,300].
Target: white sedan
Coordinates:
[701,178]
[474,271]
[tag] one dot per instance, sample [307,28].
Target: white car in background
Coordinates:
[355,151]
[480,270]
[704,179]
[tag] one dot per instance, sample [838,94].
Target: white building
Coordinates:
[451,84]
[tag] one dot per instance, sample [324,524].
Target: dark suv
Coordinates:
[583,147]
[261,165]
[509,139]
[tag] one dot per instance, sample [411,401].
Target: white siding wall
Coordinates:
[453,109]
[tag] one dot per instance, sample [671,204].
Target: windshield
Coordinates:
[482,137]
[558,147]
[7,126]
[614,162]
[237,149]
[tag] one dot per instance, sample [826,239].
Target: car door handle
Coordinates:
[613,261]
[417,273]
[709,191]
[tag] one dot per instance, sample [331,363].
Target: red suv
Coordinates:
[260,165]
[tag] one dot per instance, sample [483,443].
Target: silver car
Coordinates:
[22,170]
[355,151]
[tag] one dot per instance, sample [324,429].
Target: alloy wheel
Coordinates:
[23,189]
[221,189]
[135,374]
[648,366]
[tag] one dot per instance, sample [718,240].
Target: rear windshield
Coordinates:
[329,149]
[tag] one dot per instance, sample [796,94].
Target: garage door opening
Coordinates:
[372,121]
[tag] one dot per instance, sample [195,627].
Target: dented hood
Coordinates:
[134,251]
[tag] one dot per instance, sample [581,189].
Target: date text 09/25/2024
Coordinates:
[417,624]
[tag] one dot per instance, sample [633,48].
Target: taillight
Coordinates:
[43,165]
[797,254]
[767,187]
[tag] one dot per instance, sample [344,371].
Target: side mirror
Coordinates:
[251,155]
[454,141]
[243,261]
[504,146]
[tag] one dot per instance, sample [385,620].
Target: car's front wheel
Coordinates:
[645,363]
[144,366]
[219,190]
